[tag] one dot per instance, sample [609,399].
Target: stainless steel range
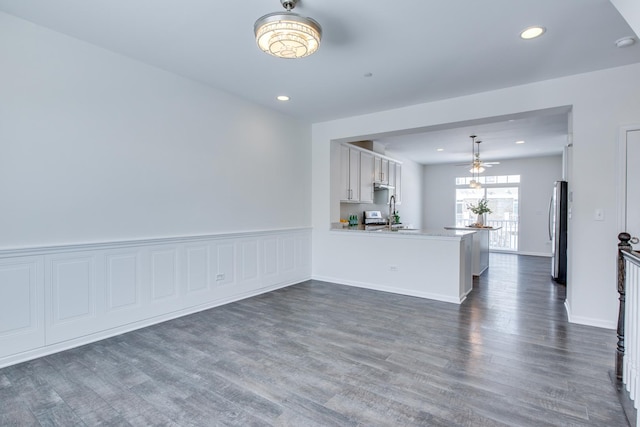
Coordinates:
[373,220]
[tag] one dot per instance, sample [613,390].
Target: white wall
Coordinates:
[537,175]
[630,10]
[601,101]
[99,147]
[412,195]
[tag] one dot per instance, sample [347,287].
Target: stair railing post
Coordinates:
[623,245]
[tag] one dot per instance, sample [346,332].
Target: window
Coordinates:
[502,193]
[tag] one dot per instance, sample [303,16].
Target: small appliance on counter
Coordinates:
[373,220]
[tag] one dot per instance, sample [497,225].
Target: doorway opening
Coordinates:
[502,194]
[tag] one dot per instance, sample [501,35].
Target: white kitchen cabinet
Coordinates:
[381,170]
[361,170]
[398,183]
[366,177]
[391,173]
[349,174]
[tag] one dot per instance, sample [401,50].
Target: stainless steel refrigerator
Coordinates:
[558,208]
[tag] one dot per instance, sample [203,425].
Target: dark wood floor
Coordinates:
[320,354]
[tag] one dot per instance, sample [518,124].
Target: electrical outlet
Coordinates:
[220,276]
[393,268]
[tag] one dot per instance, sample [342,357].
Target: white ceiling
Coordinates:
[544,133]
[418,51]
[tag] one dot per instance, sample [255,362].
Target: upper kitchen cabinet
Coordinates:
[398,183]
[366,177]
[391,174]
[394,174]
[362,171]
[381,170]
[349,174]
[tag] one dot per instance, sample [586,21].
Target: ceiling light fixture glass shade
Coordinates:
[477,169]
[287,34]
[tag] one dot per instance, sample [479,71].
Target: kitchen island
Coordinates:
[480,247]
[434,264]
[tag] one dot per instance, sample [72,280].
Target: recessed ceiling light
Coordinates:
[532,32]
[439,149]
[520,142]
[282,98]
[625,42]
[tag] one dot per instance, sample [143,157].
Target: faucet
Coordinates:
[392,209]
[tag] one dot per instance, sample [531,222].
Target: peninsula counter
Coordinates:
[434,264]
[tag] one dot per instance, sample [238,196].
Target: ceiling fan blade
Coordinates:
[491,163]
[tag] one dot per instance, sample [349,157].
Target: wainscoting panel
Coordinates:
[164,273]
[288,254]
[197,271]
[197,286]
[70,283]
[123,281]
[225,262]
[65,296]
[248,256]
[123,288]
[270,257]
[21,305]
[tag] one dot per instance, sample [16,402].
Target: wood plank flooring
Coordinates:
[321,354]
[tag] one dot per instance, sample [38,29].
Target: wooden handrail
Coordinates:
[623,247]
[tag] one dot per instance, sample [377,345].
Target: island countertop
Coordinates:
[471,228]
[457,234]
[480,248]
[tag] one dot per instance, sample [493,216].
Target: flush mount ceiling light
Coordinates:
[532,32]
[287,34]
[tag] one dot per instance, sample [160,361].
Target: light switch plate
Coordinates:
[598,214]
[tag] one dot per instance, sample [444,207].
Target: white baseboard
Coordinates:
[541,254]
[588,321]
[400,291]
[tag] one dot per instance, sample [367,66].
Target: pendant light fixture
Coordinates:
[474,164]
[287,34]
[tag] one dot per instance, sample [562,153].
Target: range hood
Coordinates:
[381,186]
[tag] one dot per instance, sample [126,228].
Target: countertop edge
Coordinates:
[453,227]
[420,234]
